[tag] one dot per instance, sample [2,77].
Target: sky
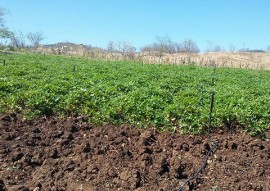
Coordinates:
[242,23]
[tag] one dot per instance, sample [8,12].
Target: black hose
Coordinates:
[212,150]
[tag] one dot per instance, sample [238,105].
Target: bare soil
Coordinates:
[71,154]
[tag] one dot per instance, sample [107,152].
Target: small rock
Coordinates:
[36,189]
[125,175]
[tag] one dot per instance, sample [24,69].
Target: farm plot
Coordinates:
[162,96]
[69,124]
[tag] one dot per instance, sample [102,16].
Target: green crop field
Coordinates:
[163,96]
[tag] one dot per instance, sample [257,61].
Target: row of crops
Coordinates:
[163,96]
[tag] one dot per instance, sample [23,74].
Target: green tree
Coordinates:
[2,13]
[4,32]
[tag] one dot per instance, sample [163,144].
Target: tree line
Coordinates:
[18,39]
[161,45]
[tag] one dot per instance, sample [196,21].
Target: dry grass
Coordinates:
[222,59]
[241,59]
[249,60]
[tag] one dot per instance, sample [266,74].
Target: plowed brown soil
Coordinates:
[70,154]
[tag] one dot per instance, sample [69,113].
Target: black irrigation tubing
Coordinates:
[212,150]
[213,146]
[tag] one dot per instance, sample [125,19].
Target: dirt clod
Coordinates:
[70,154]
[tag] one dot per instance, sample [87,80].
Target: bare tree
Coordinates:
[14,41]
[163,44]
[110,47]
[35,38]
[232,48]
[160,45]
[177,47]
[209,47]
[214,47]
[167,44]
[217,48]
[17,40]
[189,46]
[126,49]
[147,48]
